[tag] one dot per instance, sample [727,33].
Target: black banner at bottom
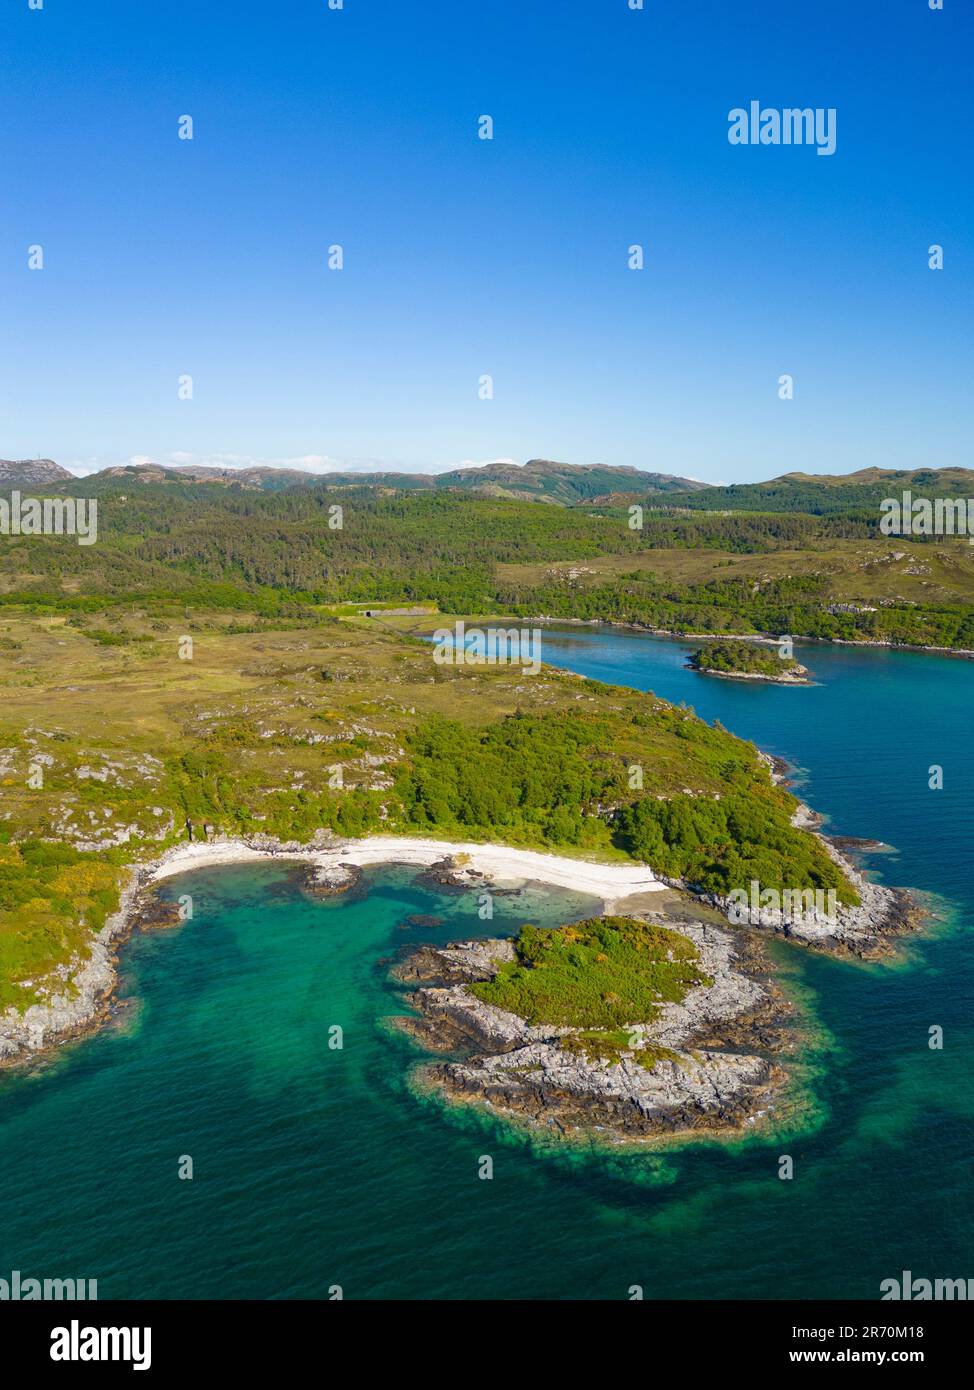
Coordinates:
[166,1338]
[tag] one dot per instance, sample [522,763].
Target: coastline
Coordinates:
[884,915]
[765,638]
[90,984]
[495,863]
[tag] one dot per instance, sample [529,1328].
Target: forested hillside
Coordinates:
[286,552]
[825,494]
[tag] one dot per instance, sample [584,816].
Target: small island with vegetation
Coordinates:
[659,1017]
[747,661]
[615,1025]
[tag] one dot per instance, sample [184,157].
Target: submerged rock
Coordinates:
[426,920]
[155,914]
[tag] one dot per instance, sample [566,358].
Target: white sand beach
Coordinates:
[499,864]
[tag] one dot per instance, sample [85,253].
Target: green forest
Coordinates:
[280,554]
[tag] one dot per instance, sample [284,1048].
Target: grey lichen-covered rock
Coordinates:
[461,962]
[710,1091]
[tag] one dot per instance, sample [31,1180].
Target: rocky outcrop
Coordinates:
[704,1064]
[331,880]
[626,1100]
[156,914]
[868,930]
[450,872]
[32,473]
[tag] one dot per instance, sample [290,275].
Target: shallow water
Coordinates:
[316,1167]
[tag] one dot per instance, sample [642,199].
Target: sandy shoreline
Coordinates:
[500,864]
[75,1012]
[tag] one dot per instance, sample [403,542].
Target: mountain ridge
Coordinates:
[536,480]
[26,472]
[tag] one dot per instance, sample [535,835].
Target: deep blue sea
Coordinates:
[315,1167]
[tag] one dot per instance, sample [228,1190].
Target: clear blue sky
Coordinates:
[465,257]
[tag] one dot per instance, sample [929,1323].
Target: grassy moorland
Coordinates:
[117,740]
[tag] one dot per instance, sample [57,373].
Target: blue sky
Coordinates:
[466,257]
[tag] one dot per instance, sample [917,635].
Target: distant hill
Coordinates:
[567,483]
[959,479]
[828,493]
[738,560]
[31,472]
[538,480]
[262,479]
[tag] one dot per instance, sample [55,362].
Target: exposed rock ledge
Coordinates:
[715,1071]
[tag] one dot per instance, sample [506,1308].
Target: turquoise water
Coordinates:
[316,1167]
